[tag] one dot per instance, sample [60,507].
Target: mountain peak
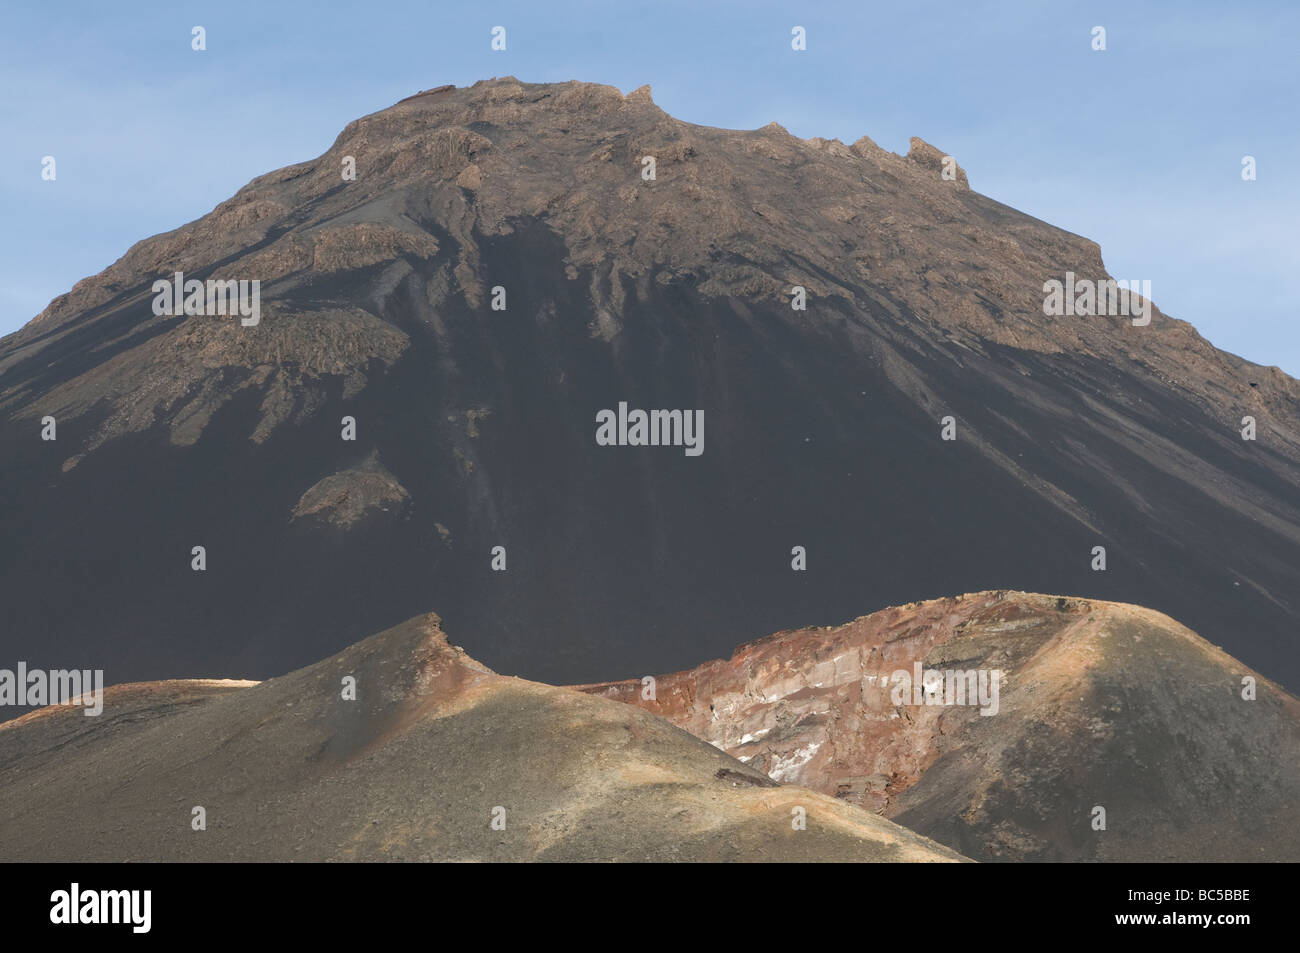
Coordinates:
[928,157]
[641,95]
[464,280]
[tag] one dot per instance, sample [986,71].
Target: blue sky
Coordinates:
[1138,148]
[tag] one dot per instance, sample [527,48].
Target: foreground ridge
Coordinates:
[401,747]
[1191,755]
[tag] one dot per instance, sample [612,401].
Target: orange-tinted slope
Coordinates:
[1098,705]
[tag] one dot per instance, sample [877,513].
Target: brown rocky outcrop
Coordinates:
[928,157]
[345,498]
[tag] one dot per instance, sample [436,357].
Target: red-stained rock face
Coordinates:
[814,706]
[1084,704]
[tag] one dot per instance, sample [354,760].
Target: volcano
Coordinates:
[452,299]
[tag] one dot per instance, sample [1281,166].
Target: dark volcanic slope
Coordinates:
[476,428]
[1098,705]
[412,769]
